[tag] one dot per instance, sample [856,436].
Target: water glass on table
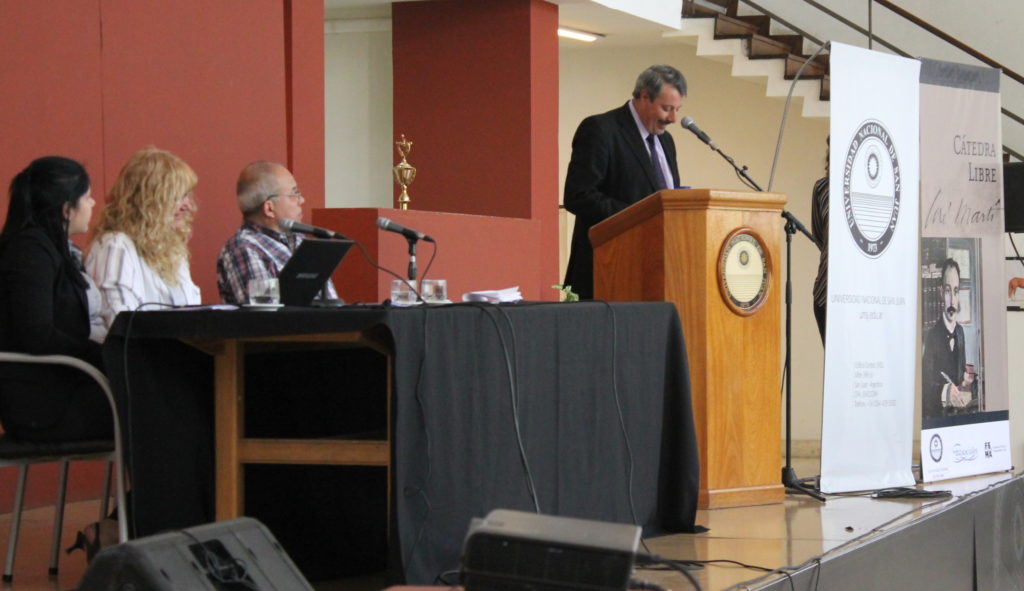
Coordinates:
[264,292]
[434,291]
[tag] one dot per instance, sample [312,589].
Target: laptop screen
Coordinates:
[308,270]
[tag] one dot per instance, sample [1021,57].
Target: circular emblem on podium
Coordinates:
[743,271]
[871,188]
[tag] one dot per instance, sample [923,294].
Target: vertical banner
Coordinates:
[870,348]
[965,427]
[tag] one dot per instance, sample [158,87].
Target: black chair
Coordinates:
[24,454]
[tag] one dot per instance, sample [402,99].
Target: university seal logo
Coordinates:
[935,448]
[871,188]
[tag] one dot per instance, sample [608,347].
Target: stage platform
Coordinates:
[974,540]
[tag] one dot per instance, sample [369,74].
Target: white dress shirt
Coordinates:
[127,282]
[659,152]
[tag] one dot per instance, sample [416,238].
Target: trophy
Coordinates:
[405,173]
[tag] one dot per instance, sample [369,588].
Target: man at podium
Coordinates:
[618,158]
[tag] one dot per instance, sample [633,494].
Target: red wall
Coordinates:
[476,91]
[473,252]
[219,83]
[51,99]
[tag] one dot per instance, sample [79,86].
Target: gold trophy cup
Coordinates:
[405,173]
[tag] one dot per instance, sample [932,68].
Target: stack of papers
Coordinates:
[509,294]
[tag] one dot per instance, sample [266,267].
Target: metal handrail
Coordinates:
[914,19]
[787,24]
[844,21]
[950,39]
[919,22]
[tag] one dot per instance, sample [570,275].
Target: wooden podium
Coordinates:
[715,254]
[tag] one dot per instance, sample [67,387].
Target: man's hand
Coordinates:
[958,398]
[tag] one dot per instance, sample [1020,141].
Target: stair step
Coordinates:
[762,22]
[765,48]
[795,42]
[707,7]
[814,69]
[691,10]
[727,27]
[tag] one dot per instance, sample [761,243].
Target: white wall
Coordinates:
[358,113]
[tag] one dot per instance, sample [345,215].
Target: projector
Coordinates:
[513,551]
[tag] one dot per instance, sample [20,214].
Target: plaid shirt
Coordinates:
[254,252]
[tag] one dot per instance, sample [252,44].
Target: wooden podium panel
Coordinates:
[667,247]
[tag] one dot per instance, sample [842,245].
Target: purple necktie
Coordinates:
[659,177]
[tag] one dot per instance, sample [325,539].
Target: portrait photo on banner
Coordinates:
[952,363]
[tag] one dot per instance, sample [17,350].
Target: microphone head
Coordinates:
[286,224]
[686,122]
[383,223]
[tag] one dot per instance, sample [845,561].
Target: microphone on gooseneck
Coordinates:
[294,226]
[390,226]
[688,123]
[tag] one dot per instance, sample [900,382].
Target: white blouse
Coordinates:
[97,330]
[127,282]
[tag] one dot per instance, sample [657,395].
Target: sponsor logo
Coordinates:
[871,188]
[962,453]
[935,448]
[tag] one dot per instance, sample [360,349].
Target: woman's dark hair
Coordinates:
[38,195]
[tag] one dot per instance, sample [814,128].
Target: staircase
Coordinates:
[747,41]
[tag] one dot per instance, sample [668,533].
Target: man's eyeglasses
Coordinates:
[297,195]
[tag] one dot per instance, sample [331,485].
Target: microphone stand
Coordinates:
[740,170]
[789,477]
[412,258]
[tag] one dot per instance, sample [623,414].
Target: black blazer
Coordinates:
[42,311]
[610,170]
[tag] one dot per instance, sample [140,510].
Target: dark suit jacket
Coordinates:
[937,359]
[610,170]
[42,311]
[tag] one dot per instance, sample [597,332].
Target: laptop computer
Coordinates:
[311,265]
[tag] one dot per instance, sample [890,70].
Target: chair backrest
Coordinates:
[101,380]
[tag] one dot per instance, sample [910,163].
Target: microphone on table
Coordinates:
[294,226]
[688,123]
[390,226]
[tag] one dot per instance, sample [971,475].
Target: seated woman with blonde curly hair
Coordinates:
[139,254]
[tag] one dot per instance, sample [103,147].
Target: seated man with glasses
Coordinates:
[267,193]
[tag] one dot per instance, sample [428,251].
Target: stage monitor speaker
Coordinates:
[1013,196]
[240,554]
[512,551]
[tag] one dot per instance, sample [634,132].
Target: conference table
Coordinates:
[405,423]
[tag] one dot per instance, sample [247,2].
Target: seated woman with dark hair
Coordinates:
[46,302]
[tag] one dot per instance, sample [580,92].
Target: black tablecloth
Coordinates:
[464,376]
